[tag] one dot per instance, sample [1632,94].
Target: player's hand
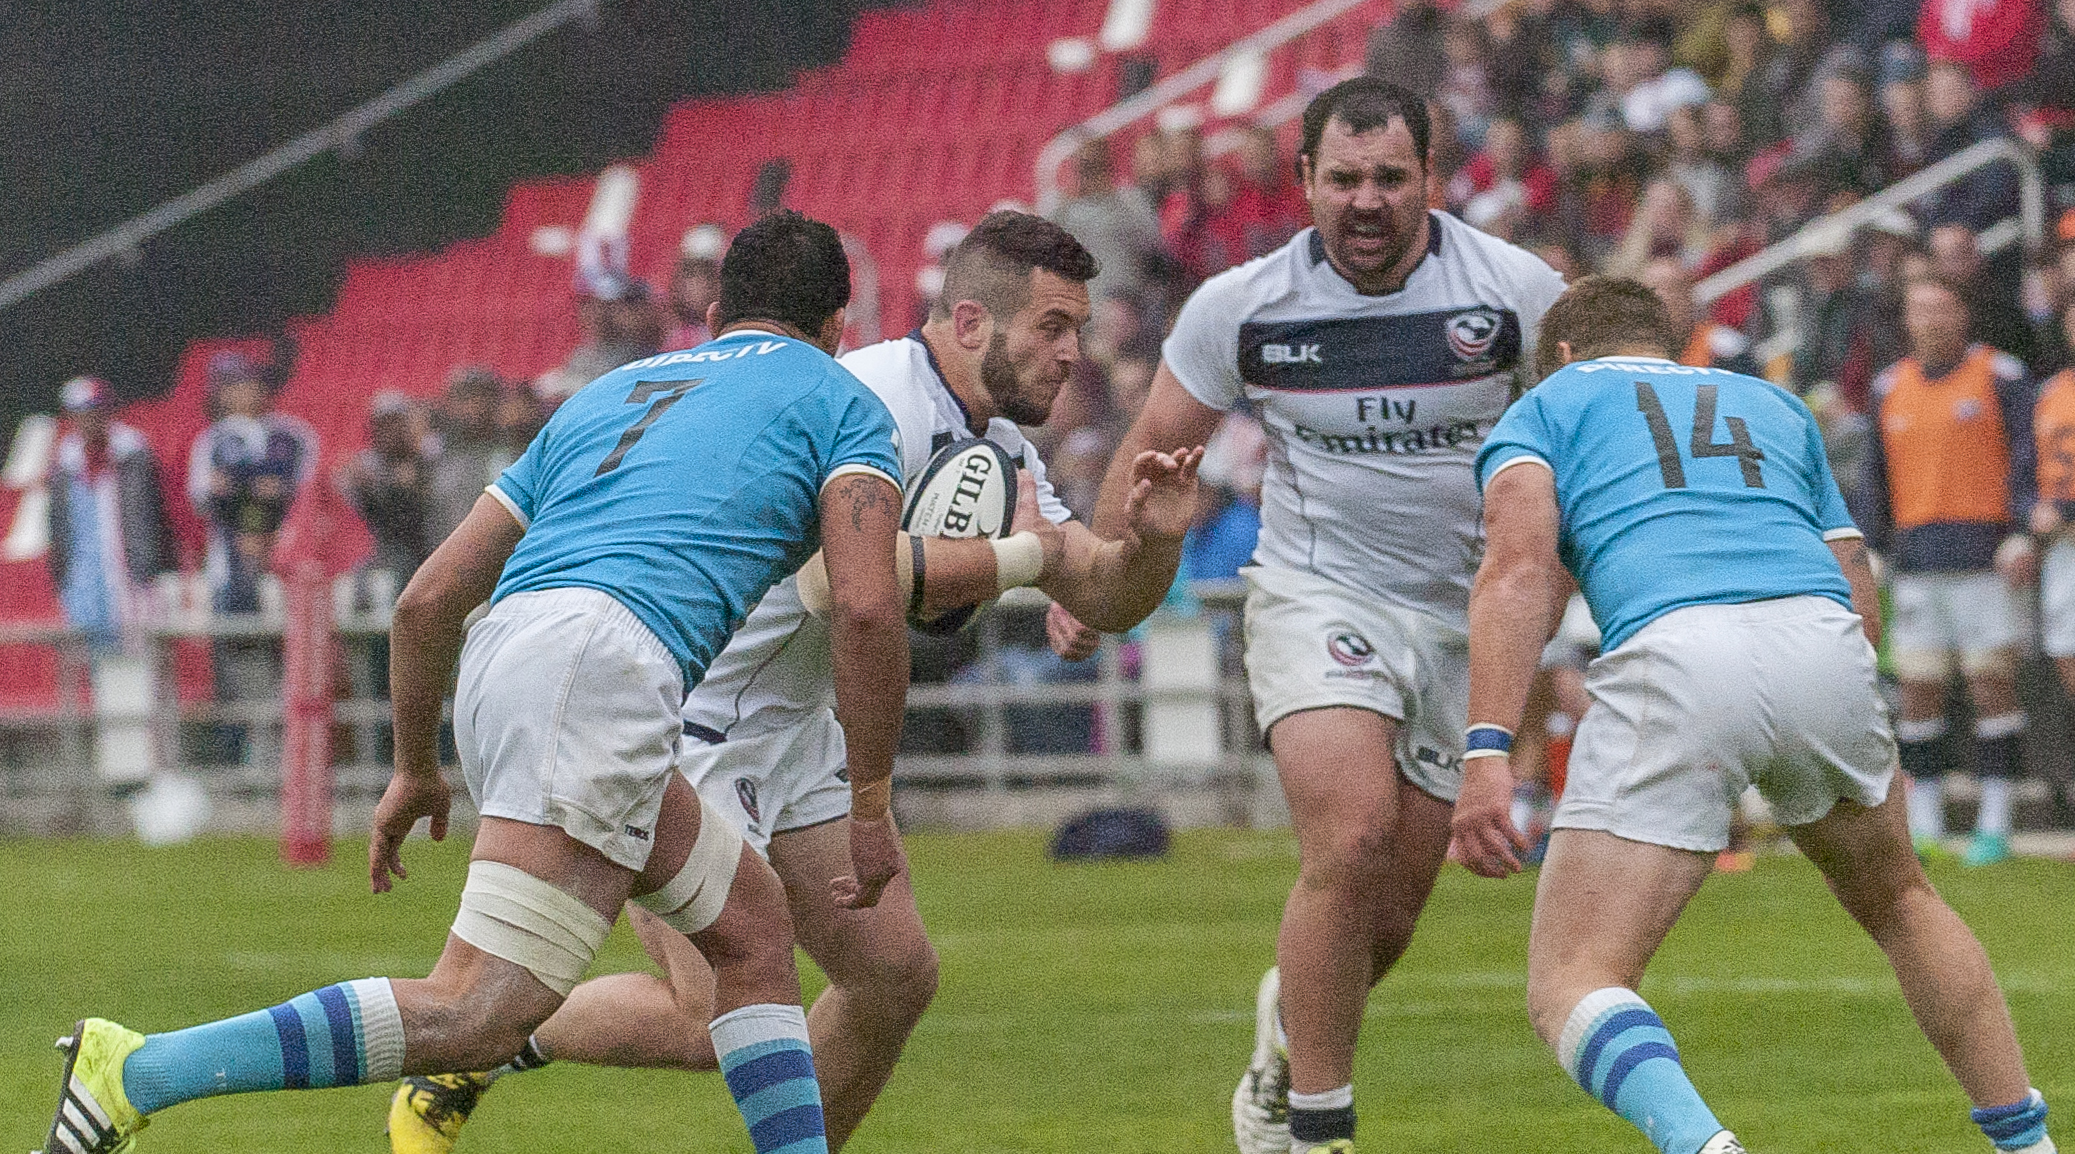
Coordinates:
[1070,639]
[876,858]
[1485,839]
[2017,561]
[2045,519]
[409,797]
[1162,501]
[1029,518]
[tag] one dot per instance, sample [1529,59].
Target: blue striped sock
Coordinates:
[1616,1047]
[344,1035]
[769,1068]
[2019,1126]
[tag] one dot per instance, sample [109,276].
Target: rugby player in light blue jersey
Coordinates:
[619,554]
[1696,510]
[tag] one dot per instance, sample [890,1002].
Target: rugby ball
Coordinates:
[968,489]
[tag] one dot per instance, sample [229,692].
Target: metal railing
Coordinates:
[1817,235]
[1161,717]
[1195,76]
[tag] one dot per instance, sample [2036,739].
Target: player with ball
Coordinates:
[761,743]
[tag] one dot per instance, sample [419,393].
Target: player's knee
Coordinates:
[904,979]
[1351,857]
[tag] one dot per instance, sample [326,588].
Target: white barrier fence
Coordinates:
[1000,731]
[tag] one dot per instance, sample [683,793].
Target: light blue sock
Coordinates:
[769,1068]
[344,1035]
[1616,1047]
[2020,1126]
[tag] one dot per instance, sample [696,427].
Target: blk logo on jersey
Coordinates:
[1472,334]
[1350,649]
[1291,355]
[746,793]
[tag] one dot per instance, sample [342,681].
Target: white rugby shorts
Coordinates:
[2057,599]
[776,780]
[1710,699]
[1939,615]
[567,714]
[1313,643]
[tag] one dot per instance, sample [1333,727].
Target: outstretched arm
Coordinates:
[1515,607]
[424,643]
[861,513]
[1112,585]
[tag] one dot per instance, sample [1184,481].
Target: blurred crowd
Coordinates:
[1662,139]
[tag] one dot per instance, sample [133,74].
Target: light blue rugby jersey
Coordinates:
[687,484]
[1659,512]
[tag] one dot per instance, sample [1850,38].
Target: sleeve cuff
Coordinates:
[860,467]
[1843,533]
[1522,459]
[510,506]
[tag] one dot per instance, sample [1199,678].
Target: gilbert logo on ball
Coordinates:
[967,490]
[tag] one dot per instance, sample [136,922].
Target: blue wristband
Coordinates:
[1488,740]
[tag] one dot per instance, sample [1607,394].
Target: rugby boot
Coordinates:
[94,1116]
[1261,1104]
[427,1112]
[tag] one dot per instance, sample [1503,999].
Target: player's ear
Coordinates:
[970,323]
[1564,355]
[713,317]
[830,338]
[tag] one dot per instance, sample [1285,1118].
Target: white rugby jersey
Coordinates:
[778,666]
[1374,406]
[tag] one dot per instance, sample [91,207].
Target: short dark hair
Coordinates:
[787,268]
[1364,103]
[992,265]
[1598,315]
[1946,285]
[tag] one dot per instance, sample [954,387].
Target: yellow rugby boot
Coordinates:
[427,1112]
[94,1116]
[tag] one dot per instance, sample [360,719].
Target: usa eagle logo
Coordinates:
[1471,334]
[1350,649]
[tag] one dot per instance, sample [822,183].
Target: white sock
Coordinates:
[1994,817]
[1927,808]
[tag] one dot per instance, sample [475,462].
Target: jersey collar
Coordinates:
[1315,248]
[1632,359]
[936,370]
[752,330]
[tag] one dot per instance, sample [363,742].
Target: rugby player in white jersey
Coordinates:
[1696,511]
[761,744]
[1379,347]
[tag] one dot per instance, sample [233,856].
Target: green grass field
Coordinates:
[1083,1009]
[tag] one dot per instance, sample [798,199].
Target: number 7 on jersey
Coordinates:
[669,393]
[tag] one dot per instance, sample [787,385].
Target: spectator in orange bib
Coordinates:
[1950,483]
[2053,430]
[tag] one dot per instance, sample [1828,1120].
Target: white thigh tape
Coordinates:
[510,914]
[692,900]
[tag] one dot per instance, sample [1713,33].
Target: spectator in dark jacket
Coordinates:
[1958,122]
[109,540]
[469,456]
[390,486]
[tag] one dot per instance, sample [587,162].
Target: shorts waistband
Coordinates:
[583,600]
[1760,612]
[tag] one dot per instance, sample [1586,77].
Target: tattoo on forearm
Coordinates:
[868,495]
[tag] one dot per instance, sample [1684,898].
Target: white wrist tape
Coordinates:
[1018,559]
[813,578]
[692,900]
[510,914]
